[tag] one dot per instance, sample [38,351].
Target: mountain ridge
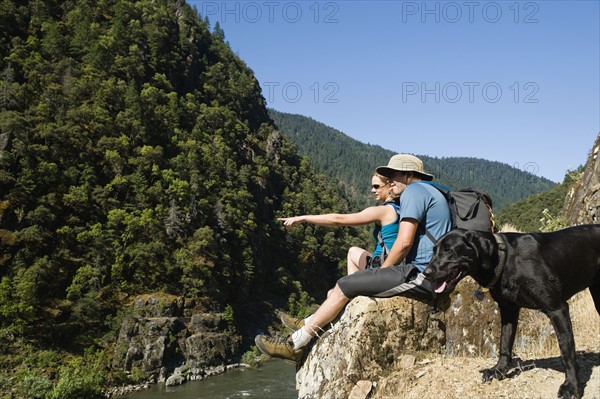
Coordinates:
[352,162]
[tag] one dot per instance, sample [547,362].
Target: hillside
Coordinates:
[137,156]
[352,162]
[531,213]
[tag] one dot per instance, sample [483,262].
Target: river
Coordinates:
[271,380]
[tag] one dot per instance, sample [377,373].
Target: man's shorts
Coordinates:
[405,280]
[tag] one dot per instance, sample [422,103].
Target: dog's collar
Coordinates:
[501,260]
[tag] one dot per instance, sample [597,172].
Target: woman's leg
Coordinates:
[357,259]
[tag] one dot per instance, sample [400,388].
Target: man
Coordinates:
[422,207]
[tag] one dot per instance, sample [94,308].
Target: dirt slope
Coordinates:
[459,378]
[537,376]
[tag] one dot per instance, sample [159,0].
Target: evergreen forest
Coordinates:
[137,155]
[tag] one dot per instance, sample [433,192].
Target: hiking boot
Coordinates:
[279,347]
[291,322]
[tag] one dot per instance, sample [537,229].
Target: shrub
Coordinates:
[80,379]
[34,386]
[251,357]
[551,223]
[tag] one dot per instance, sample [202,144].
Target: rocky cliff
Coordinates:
[582,204]
[375,337]
[168,339]
[395,348]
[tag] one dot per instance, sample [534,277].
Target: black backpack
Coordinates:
[470,209]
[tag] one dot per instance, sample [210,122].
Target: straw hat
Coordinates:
[405,163]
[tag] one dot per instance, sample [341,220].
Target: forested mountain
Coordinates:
[351,163]
[137,155]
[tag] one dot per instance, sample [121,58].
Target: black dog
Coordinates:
[537,271]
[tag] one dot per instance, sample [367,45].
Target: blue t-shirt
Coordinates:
[424,203]
[389,233]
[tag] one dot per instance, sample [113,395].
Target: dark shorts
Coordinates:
[405,280]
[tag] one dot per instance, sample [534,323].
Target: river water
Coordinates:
[271,380]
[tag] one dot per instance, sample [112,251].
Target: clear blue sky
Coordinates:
[514,82]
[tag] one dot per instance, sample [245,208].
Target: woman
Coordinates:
[385,219]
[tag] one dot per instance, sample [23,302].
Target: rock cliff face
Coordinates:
[167,340]
[582,204]
[375,336]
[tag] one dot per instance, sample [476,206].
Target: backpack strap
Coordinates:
[420,226]
[441,188]
[385,250]
[446,193]
[429,235]
[501,260]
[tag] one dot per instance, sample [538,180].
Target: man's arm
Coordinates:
[403,243]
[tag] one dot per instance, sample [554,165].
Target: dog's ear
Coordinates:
[472,240]
[477,242]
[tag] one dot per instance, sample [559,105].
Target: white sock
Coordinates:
[301,338]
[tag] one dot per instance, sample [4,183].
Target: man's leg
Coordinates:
[372,282]
[328,311]
[292,348]
[333,305]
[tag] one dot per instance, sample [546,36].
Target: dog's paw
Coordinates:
[568,391]
[491,373]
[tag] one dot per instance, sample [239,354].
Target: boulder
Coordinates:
[175,379]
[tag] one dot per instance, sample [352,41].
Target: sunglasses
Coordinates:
[378,186]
